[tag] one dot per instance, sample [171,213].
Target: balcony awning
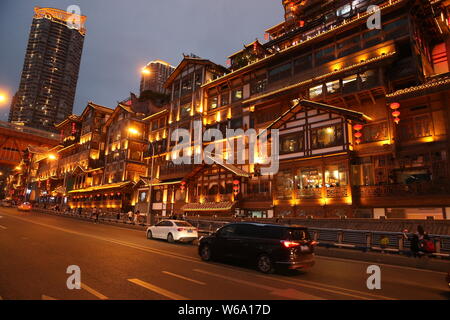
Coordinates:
[119,185]
[357,117]
[147,181]
[59,190]
[209,206]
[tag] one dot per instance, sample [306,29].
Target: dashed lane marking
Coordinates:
[286,293]
[314,285]
[3,227]
[93,292]
[44,297]
[183,277]
[158,290]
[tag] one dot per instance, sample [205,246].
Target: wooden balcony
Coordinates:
[414,194]
[173,171]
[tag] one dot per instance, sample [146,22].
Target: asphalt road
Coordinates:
[118,263]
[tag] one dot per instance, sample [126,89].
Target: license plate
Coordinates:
[304,249]
[189,231]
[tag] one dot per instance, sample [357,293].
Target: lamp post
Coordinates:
[134,131]
[149,203]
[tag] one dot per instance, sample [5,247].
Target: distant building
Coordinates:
[50,72]
[154,75]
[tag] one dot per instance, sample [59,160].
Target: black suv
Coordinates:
[267,245]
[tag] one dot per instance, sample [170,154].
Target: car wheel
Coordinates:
[149,235]
[170,238]
[205,252]
[264,264]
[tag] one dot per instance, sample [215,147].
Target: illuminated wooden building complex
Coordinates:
[362,113]
[326,63]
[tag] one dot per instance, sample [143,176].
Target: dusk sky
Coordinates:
[122,36]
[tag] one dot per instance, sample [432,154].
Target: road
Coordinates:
[119,263]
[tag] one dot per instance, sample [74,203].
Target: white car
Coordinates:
[173,230]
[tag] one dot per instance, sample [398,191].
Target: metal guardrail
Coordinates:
[364,240]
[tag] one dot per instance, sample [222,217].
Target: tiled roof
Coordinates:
[103,187]
[209,206]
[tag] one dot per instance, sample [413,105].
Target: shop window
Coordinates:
[142,196]
[315,92]
[185,110]
[375,132]
[350,84]
[326,137]
[372,38]
[225,99]
[213,103]
[186,85]
[198,79]
[309,178]
[333,87]
[369,79]
[335,176]
[396,28]
[344,11]
[324,55]
[258,86]
[237,94]
[349,46]
[302,64]
[236,123]
[284,184]
[280,72]
[413,128]
[292,143]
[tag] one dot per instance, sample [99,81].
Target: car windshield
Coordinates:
[183,224]
[297,234]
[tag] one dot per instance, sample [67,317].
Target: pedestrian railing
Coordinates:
[363,240]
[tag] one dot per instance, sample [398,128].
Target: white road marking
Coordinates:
[183,277]
[380,264]
[93,292]
[274,291]
[158,290]
[44,297]
[3,227]
[314,285]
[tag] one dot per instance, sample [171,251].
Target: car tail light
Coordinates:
[290,244]
[180,229]
[314,243]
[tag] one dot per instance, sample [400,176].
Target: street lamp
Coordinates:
[133,131]
[52,157]
[149,203]
[145,71]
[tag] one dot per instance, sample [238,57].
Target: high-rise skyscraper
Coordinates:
[154,75]
[50,73]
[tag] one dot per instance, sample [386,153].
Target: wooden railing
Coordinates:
[402,190]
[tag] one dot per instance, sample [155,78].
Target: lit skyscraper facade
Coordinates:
[50,73]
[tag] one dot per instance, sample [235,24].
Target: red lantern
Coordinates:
[236,182]
[397,120]
[358,127]
[301,23]
[395,105]
[396,114]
